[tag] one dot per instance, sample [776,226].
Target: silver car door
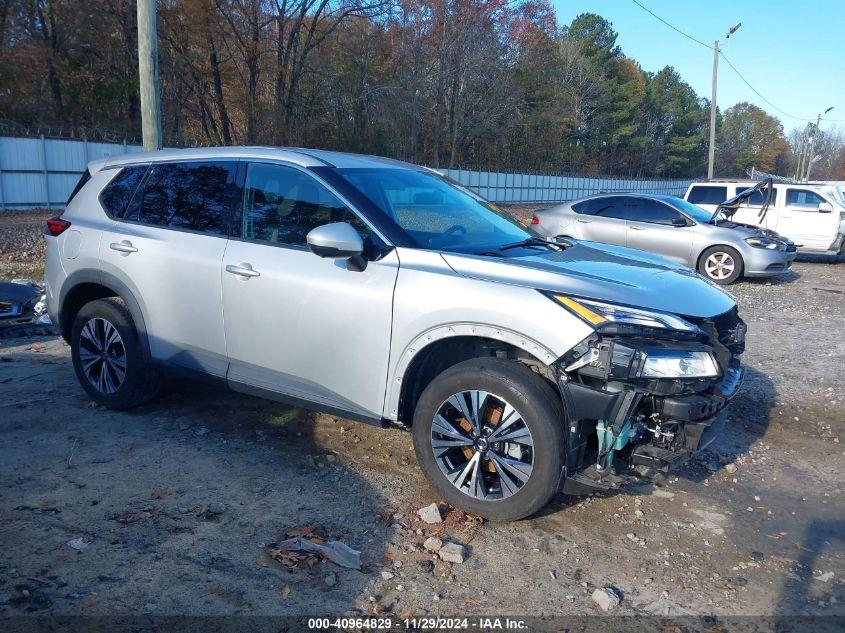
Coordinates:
[603,221]
[167,250]
[296,324]
[656,227]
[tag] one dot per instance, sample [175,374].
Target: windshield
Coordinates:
[435,213]
[688,208]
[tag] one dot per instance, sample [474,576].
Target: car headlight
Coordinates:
[616,319]
[765,242]
[679,364]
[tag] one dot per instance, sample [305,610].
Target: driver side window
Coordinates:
[282,205]
[803,199]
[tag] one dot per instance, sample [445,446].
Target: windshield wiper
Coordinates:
[536,241]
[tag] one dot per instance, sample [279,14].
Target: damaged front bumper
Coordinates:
[622,426]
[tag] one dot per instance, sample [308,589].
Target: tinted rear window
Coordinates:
[193,196]
[606,206]
[756,199]
[85,177]
[117,194]
[708,195]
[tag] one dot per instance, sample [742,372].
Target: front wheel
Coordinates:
[721,264]
[488,434]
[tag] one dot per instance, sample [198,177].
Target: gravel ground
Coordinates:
[175,502]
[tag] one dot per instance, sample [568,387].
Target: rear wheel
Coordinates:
[107,356]
[721,264]
[488,434]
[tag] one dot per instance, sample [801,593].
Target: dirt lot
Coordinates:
[176,501]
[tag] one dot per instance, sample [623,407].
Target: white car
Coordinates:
[809,214]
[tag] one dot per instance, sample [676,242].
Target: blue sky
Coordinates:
[792,52]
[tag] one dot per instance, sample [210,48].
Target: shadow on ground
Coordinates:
[173,503]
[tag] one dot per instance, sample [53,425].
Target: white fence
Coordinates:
[41,172]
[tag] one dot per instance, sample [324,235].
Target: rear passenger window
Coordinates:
[117,194]
[757,198]
[193,196]
[707,195]
[617,207]
[282,205]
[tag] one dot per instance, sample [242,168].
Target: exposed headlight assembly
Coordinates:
[679,364]
[615,319]
[766,242]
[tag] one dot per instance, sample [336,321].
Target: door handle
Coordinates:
[242,270]
[584,221]
[125,247]
[636,228]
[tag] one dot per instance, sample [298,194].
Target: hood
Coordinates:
[603,272]
[746,230]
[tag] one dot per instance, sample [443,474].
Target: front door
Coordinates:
[167,250]
[651,227]
[801,221]
[296,324]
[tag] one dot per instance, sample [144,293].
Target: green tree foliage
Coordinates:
[750,137]
[491,84]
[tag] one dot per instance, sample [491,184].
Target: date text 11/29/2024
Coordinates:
[418,624]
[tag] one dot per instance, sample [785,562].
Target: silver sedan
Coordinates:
[721,250]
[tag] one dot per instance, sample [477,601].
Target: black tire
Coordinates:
[140,382]
[732,253]
[541,411]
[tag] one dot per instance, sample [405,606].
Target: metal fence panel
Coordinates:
[40,172]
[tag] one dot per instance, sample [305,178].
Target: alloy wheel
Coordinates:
[719,266]
[102,355]
[482,445]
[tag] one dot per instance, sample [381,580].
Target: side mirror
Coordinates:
[337,240]
[679,222]
[825,207]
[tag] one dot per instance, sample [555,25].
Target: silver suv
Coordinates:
[380,291]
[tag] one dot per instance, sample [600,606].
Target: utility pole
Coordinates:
[711,154]
[811,148]
[148,75]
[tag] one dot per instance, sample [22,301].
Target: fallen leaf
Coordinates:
[263,563]
[158,494]
[285,591]
[209,591]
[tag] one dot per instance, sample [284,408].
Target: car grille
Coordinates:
[9,309]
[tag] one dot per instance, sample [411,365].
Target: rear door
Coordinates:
[651,228]
[749,211]
[167,249]
[297,324]
[801,221]
[602,219]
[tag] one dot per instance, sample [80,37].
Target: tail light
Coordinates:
[55,226]
[535,219]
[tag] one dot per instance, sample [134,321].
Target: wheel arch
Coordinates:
[698,259]
[84,286]
[436,350]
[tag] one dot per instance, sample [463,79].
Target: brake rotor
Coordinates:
[493,417]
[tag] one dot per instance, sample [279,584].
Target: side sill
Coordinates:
[268,394]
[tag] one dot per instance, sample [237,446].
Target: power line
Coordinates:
[739,74]
[671,26]
[757,92]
